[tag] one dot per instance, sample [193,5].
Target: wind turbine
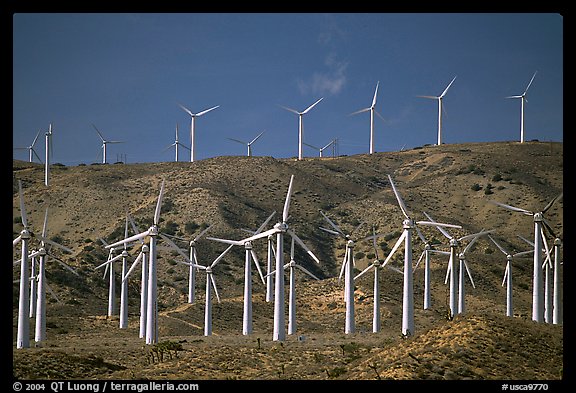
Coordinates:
[152,302]
[250,256]
[439,98]
[347,266]
[508,274]
[211,283]
[40,328]
[104,143]
[48,151]
[31,151]
[408,290]
[192,121]
[524,100]
[23,339]
[376,265]
[248,144]
[557,302]
[457,304]
[539,221]
[320,149]
[301,125]
[176,144]
[279,230]
[372,109]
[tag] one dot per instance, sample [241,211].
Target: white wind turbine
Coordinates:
[376,265]
[23,339]
[347,269]
[43,253]
[508,274]
[48,154]
[31,151]
[320,149]
[557,302]
[408,290]
[279,230]
[250,256]
[456,301]
[192,123]
[152,302]
[524,100]
[104,144]
[539,221]
[248,144]
[211,283]
[301,125]
[439,98]
[292,265]
[372,109]
[176,144]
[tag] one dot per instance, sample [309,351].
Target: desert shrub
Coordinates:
[476,187]
[191,227]
[497,177]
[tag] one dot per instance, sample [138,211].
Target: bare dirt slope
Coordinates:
[452,183]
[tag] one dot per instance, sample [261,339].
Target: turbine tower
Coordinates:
[279,230]
[31,151]
[539,221]
[104,143]
[523,100]
[48,155]
[192,122]
[301,125]
[372,109]
[248,144]
[439,98]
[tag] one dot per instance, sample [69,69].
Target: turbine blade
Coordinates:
[22,207]
[448,270]
[360,111]
[439,227]
[16,241]
[290,109]
[99,134]
[202,233]
[312,106]
[159,204]
[375,93]
[398,198]
[176,248]
[301,244]
[207,110]
[309,145]
[344,262]
[446,90]
[254,140]
[371,266]
[45,226]
[186,110]
[214,286]
[35,139]
[129,240]
[332,224]
[53,243]
[257,263]
[265,223]
[549,205]
[221,256]
[64,265]
[287,202]
[526,240]
[531,80]
[431,97]
[330,231]
[136,261]
[227,241]
[237,140]
[306,271]
[259,236]
[498,245]
[513,208]
[398,243]
[469,274]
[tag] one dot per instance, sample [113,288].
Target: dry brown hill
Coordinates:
[453,183]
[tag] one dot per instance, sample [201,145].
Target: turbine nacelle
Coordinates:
[538,217]
[281,226]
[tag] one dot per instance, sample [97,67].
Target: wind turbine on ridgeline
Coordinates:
[248,144]
[292,265]
[193,117]
[301,124]
[523,101]
[440,108]
[279,230]
[43,253]
[408,224]
[152,233]
[508,274]
[539,221]
[48,154]
[347,269]
[104,144]
[372,109]
[176,144]
[320,149]
[31,152]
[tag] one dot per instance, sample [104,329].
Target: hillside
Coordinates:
[452,183]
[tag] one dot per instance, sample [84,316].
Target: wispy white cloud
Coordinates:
[328,82]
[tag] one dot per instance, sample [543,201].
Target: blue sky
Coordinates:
[126,73]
